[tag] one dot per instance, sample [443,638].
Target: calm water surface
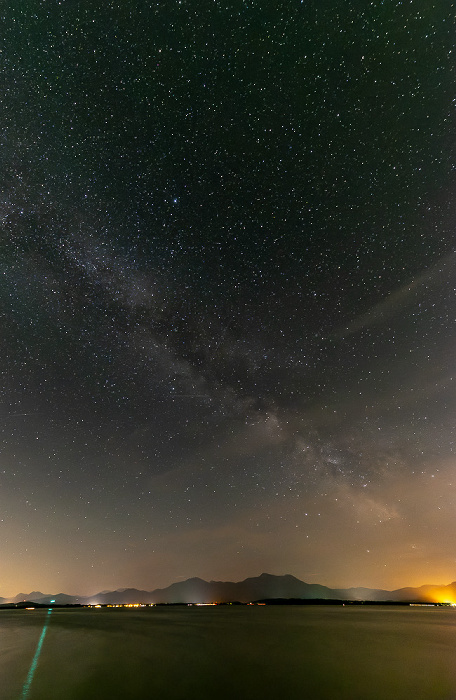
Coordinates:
[333,653]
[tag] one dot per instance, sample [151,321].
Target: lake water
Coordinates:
[216,653]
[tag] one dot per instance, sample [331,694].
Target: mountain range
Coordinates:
[266,586]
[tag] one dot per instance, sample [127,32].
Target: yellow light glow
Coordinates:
[443,598]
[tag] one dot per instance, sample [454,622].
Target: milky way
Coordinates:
[227,293]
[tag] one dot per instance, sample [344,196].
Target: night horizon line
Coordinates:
[124,589]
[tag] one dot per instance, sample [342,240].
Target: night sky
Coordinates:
[227,292]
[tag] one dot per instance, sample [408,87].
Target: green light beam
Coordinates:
[33,665]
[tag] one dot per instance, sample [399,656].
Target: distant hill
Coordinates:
[33,596]
[38,597]
[266,586]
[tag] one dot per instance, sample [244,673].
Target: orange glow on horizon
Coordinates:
[444,599]
[442,595]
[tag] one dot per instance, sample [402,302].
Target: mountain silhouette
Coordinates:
[265,586]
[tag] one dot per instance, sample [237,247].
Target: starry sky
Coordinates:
[227,292]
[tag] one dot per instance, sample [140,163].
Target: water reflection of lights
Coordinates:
[33,665]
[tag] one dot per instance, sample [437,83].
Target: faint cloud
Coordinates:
[398,300]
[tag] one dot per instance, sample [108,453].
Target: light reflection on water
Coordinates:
[28,681]
[327,653]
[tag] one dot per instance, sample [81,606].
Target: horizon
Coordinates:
[212,580]
[227,291]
